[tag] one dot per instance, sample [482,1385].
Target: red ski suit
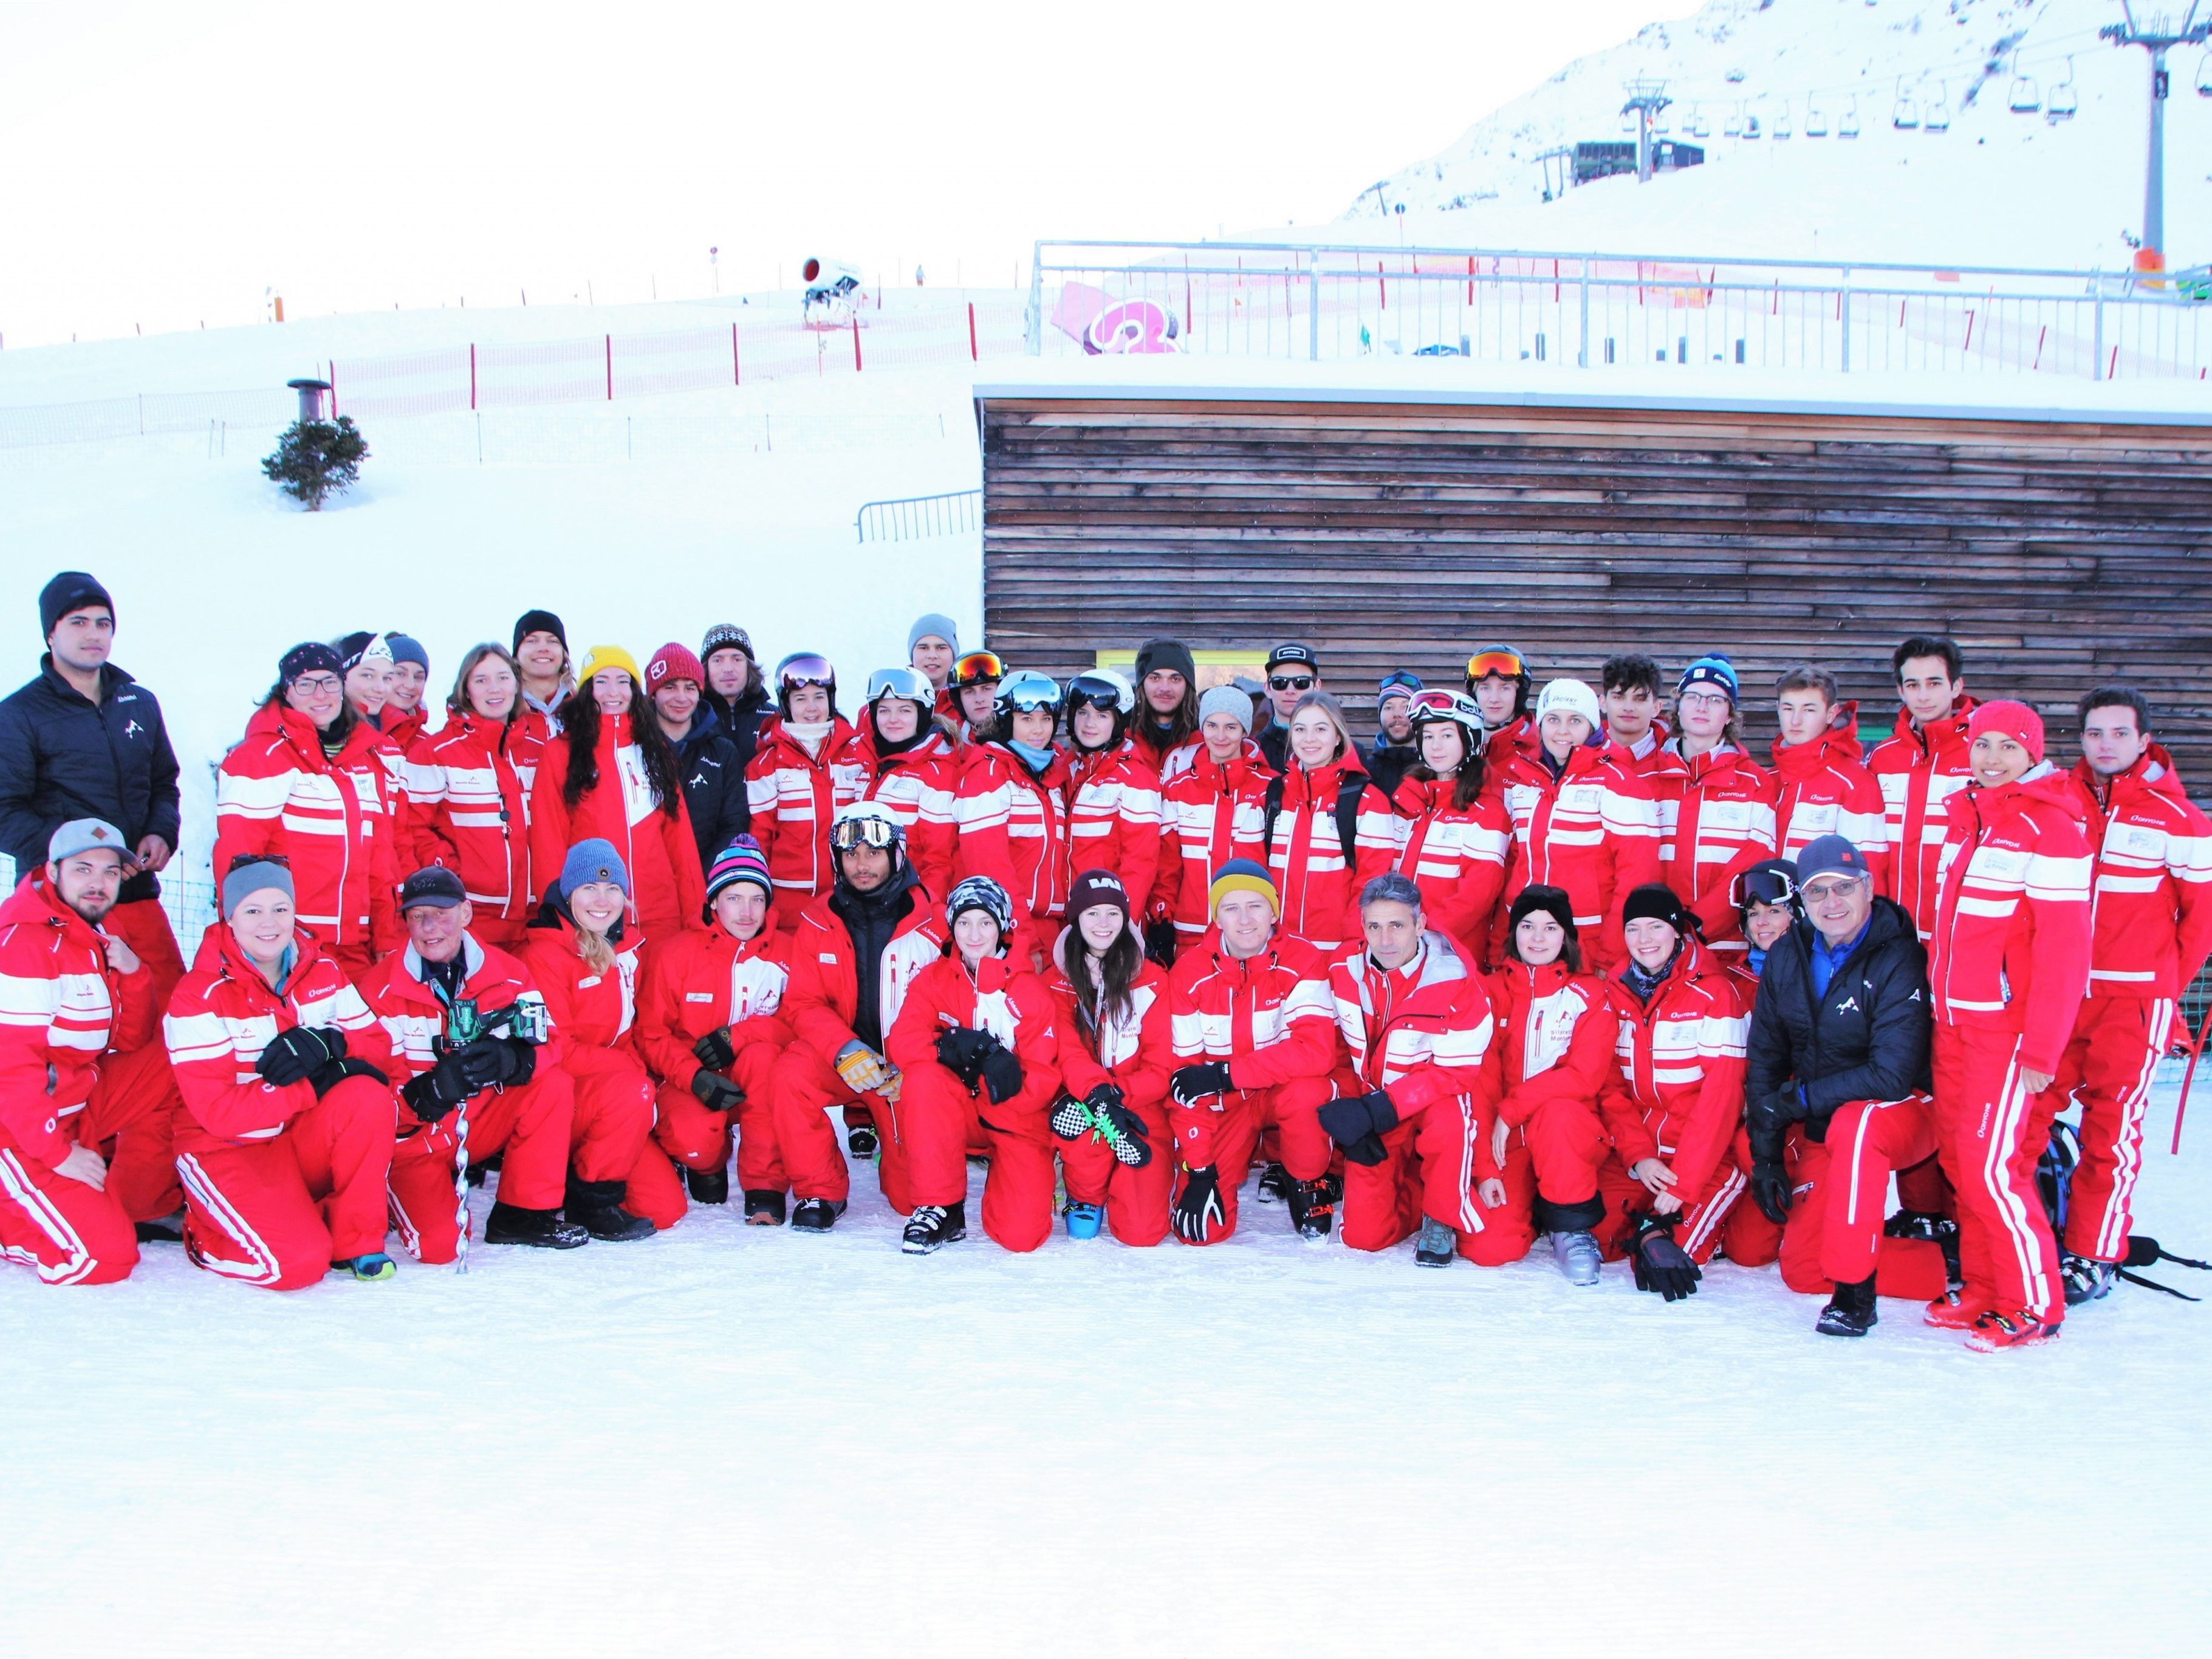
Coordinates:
[920,786]
[1272,1016]
[793,795]
[1135,1054]
[1558,1038]
[2151,928]
[1209,815]
[610,1136]
[1593,830]
[467,807]
[1716,821]
[936,1111]
[1320,892]
[1679,1099]
[1014,828]
[821,1002]
[1422,1034]
[1456,856]
[1823,789]
[2009,963]
[1919,770]
[335,821]
[1114,816]
[62,1007]
[699,982]
[526,1125]
[278,1184]
[667,889]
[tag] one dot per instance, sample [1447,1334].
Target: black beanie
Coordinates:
[1656,901]
[1552,901]
[314,657]
[72,590]
[538,622]
[1165,654]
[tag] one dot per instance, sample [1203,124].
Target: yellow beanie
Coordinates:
[607,656]
[1243,876]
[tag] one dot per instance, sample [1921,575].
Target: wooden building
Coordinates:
[1402,519]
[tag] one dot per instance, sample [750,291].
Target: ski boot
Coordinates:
[2021,1328]
[816,1215]
[933,1226]
[763,1209]
[1850,1311]
[2085,1281]
[860,1141]
[1435,1245]
[373,1268]
[1577,1256]
[543,1229]
[1275,1184]
[597,1207]
[708,1186]
[1313,1209]
[1084,1220]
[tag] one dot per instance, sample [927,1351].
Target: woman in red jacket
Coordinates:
[711,1027]
[467,805]
[1716,804]
[611,776]
[1116,1049]
[1317,867]
[1454,827]
[311,782]
[974,1041]
[1557,1028]
[1213,812]
[790,785]
[902,757]
[587,970]
[284,1117]
[1113,789]
[1013,812]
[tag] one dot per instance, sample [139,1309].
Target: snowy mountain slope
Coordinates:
[1989,185]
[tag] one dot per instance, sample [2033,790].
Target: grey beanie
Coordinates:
[250,876]
[1225,700]
[933,623]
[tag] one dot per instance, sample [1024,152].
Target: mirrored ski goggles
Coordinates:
[870,831]
[1030,694]
[1507,665]
[1762,887]
[1440,704]
[977,667]
[805,669]
[1089,690]
[903,682]
[1397,685]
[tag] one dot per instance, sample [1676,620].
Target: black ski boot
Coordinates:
[933,1226]
[763,1209]
[1313,1208]
[2085,1281]
[708,1186]
[1275,1184]
[163,1229]
[597,1207]
[1851,1312]
[816,1215]
[860,1141]
[543,1230]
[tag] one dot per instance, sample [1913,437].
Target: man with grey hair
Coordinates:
[1421,1085]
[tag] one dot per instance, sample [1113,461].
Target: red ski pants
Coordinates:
[804,1087]
[700,1139]
[1231,1135]
[65,1230]
[278,1213]
[128,1121]
[1552,1162]
[1839,1195]
[2118,1043]
[529,1128]
[1136,1200]
[1990,1131]
[1697,1224]
[1428,1171]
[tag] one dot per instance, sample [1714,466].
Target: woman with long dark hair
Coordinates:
[1455,832]
[467,799]
[612,775]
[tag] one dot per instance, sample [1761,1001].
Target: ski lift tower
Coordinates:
[1645,100]
[2157,37]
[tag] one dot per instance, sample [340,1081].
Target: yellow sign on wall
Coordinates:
[1214,667]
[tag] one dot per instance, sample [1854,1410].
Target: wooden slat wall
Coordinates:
[1398,535]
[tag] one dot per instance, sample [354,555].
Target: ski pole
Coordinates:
[2196,1054]
[461,1186]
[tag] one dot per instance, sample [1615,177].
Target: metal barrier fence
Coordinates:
[911,517]
[189,902]
[1585,309]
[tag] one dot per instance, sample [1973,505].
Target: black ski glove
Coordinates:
[1002,1075]
[1766,1120]
[296,1056]
[1660,1264]
[492,1060]
[1357,1125]
[439,1089]
[1160,942]
[1192,1084]
[337,1071]
[716,1092]
[1104,1098]
[715,1051]
[1197,1212]
[1770,1189]
[961,1052]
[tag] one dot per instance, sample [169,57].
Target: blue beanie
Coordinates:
[593,860]
[942,627]
[406,648]
[1712,669]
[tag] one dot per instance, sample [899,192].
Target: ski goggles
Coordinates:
[1096,691]
[978,666]
[1437,703]
[805,668]
[903,682]
[1400,684]
[1027,692]
[863,830]
[1762,887]
[1506,665]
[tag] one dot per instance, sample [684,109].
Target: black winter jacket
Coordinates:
[713,785]
[1387,762]
[62,757]
[741,716]
[1868,1039]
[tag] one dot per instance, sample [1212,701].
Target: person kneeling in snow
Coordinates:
[974,1040]
[1421,1086]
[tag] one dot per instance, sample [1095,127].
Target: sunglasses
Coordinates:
[810,669]
[978,666]
[1291,682]
[875,832]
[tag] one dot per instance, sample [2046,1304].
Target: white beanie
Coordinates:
[1572,696]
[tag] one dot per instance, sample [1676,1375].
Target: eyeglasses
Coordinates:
[1822,891]
[869,831]
[1291,682]
[1695,698]
[977,667]
[1507,665]
[806,669]
[905,683]
[247,860]
[317,684]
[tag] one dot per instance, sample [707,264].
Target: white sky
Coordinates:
[161,165]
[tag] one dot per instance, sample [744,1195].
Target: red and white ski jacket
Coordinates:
[333,821]
[2150,903]
[667,887]
[823,997]
[1010,1003]
[413,1019]
[1209,815]
[1180,759]
[2011,947]
[1824,790]
[1558,1037]
[591,1008]
[1679,1095]
[1421,1033]
[1456,856]
[793,795]
[1014,828]
[1114,816]
[1649,752]
[1518,737]
[1272,1016]
[467,807]
[61,1008]
[1716,821]
[1320,892]
[1919,770]
[403,732]
[1134,1053]
[221,1018]
[706,979]
[1593,831]
[920,786]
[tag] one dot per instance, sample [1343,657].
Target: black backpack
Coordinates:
[1347,814]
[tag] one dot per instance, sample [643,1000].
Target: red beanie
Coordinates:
[673,662]
[2015,721]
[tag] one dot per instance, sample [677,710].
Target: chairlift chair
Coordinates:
[2027,96]
[1732,126]
[2204,73]
[1847,125]
[1816,121]
[2062,102]
[1699,127]
[1904,114]
[1937,117]
[1781,122]
[1751,125]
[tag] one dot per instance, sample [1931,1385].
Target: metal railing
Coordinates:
[188,900]
[1584,309]
[911,518]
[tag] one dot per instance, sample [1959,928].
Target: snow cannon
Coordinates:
[832,291]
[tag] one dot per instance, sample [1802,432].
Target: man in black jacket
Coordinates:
[1836,1090]
[733,693]
[85,740]
[707,763]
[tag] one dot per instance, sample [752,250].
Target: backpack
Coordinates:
[2054,1172]
[1347,814]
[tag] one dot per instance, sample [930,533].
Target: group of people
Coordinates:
[1561,962]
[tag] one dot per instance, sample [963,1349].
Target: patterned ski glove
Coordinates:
[865,1070]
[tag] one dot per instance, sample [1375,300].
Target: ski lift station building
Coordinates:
[1401,512]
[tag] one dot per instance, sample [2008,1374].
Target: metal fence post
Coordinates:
[1033,324]
[1843,310]
[1313,306]
[1582,346]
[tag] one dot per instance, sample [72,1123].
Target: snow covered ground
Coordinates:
[724,1439]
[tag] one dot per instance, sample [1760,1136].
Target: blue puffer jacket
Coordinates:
[62,758]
